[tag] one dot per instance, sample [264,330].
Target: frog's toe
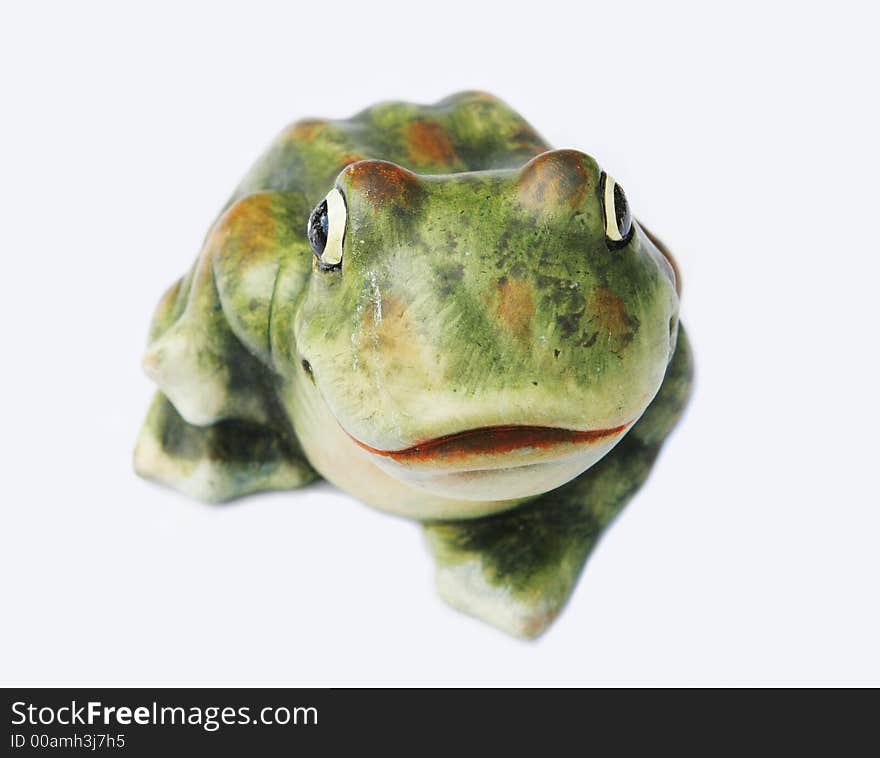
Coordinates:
[511,570]
[468,587]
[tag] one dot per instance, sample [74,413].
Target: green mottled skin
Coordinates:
[477,289]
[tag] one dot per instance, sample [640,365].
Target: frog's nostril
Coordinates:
[307,367]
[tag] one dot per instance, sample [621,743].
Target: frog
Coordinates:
[442,315]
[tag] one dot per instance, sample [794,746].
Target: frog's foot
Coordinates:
[469,579]
[217,462]
[515,570]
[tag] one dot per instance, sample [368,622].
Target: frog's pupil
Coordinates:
[621,211]
[319,226]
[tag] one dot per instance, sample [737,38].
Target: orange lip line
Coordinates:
[488,440]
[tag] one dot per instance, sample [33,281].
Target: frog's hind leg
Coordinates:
[516,570]
[220,461]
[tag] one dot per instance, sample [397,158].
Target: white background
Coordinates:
[746,138]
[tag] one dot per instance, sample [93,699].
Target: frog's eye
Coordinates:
[618,220]
[326,230]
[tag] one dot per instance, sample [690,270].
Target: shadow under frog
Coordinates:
[434,310]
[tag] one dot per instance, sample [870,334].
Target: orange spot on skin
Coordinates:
[429,144]
[516,306]
[306,130]
[491,440]
[249,221]
[391,341]
[610,311]
[247,233]
[245,238]
[383,182]
[554,179]
[393,333]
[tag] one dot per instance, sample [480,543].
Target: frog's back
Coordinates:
[469,131]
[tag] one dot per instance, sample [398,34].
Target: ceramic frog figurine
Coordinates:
[434,310]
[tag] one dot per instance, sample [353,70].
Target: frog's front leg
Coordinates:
[215,429]
[516,570]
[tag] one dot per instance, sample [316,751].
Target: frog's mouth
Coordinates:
[489,441]
[496,462]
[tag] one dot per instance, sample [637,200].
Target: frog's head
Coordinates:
[485,335]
